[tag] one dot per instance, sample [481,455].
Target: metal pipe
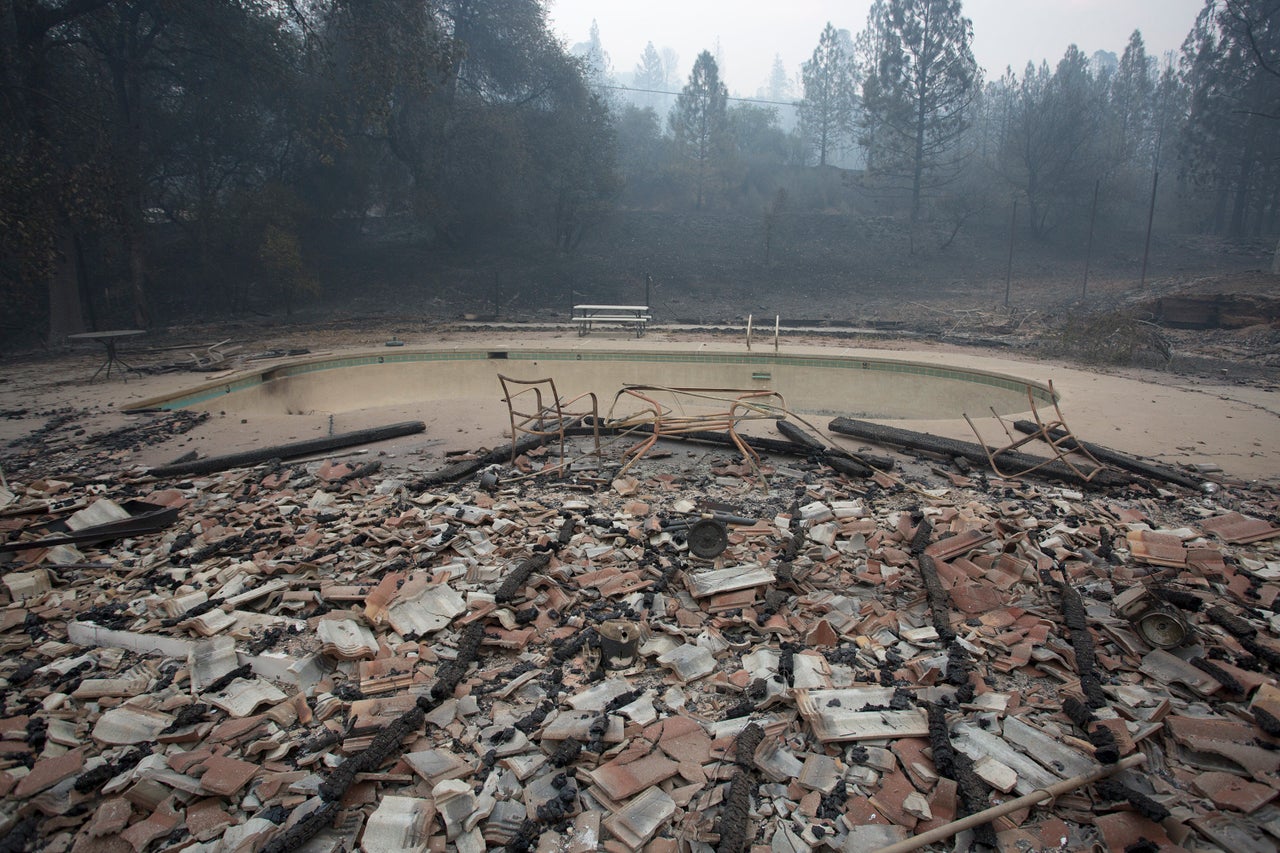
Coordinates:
[1034,798]
[723,518]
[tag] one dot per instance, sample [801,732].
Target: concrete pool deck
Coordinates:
[1176,420]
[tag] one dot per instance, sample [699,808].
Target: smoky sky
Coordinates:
[751,32]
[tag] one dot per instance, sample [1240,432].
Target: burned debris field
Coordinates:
[845,638]
[441,426]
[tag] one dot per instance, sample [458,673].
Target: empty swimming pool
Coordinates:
[857,386]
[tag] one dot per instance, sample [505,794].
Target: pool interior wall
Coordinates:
[839,385]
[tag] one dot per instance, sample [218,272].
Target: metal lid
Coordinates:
[1162,630]
[708,538]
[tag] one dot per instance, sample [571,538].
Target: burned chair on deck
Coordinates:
[536,408]
[1055,433]
[719,410]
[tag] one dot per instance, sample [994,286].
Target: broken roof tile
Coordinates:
[795,635]
[1239,529]
[621,779]
[48,772]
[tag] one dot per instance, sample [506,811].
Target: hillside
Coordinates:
[711,267]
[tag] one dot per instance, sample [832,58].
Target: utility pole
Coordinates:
[1088,252]
[1151,215]
[1008,275]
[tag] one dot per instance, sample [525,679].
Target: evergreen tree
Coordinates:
[1231,62]
[649,71]
[698,122]
[918,90]
[779,85]
[826,113]
[1132,89]
[867,49]
[650,77]
[642,154]
[599,65]
[1053,152]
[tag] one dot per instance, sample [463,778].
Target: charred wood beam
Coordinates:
[760,445]
[292,450]
[735,817]
[519,576]
[947,448]
[830,455]
[1027,801]
[1162,473]
[958,767]
[1073,613]
[467,467]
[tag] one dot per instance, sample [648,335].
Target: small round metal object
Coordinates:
[619,640]
[1162,630]
[708,538]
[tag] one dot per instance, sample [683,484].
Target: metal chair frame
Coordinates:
[550,415]
[745,404]
[1061,446]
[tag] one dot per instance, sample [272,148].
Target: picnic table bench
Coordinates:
[634,316]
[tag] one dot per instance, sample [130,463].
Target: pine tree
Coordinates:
[650,77]
[1054,152]
[779,85]
[649,71]
[919,86]
[868,45]
[826,113]
[599,66]
[1230,143]
[1132,93]
[698,122]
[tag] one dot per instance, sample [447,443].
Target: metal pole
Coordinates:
[1008,276]
[1088,252]
[648,280]
[1034,798]
[1151,215]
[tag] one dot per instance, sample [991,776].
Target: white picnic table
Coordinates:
[635,316]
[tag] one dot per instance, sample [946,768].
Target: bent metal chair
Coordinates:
[728,407]
[536,408]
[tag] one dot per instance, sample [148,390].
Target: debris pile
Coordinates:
[326,657]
